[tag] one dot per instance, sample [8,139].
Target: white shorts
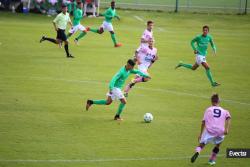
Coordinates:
[76,28]
[117,94]
[107,26]
[200,59]
[208,138]
[143,68]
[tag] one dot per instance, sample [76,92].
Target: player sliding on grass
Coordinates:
[109,14]
[60,24]
[145,56]
[201,51]
[215,125]
[147,34]
[78,15]
[115,87]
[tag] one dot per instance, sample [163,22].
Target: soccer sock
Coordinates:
[51,40]
[121,107]
[66,47]
[209,76]
[214,154]
[81,35]
[198,149]
[189,66]
[93,30]
[69,35]
[100,102]
[113,39]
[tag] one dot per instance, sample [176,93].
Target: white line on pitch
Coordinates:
[142,88]
[139,18]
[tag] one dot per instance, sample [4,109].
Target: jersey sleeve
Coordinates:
[114,79]
[193,41]
[56,19]
[205,115]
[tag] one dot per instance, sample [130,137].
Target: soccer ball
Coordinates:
[148,117]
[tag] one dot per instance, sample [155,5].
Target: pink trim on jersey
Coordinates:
[215,118]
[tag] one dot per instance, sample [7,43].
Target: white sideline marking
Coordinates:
[100,160]
[139,18]
[138,87]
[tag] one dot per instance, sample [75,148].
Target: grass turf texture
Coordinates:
[42,94]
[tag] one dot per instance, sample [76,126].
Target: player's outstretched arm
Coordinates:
[213,46]
[193,41]
[227,125]
[202,129]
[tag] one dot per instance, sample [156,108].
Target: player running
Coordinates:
[214,127]
[78,15]
[145,57]
[147,34]
[109,14]
[201,51]
[60,24]
[115,88]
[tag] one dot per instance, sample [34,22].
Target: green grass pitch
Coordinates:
[42,94]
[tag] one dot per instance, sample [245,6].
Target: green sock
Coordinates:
[93,30]
[81,35]
[121,107]
[209,76]
[113,39]
[100,102]
[189,66]
[69,35]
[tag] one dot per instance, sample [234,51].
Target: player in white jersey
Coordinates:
[145,57]
[147,34]
[214,127]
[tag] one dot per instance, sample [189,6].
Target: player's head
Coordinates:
[150,25]
[112,4]
[130,64]
[205,30]
[79,4]
[215,100]
[151,42]
[64,8]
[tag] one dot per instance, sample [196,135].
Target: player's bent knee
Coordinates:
[108,102]
[111,32]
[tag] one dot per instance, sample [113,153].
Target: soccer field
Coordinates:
[43,94]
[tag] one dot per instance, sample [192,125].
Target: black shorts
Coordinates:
[61,35]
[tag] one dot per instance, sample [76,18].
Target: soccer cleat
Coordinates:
[118,45]
[42,39]
[118,118]
[88,104]
[211,162]
[70,56]
[194,157]
[215,84]
[178,65]
[76,41]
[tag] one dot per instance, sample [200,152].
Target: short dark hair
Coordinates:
[215,98]
[64,5]
[79,3]
[112,2]
[131,62]
[150,22]
[205,26]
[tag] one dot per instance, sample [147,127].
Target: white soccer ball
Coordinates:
[148,117]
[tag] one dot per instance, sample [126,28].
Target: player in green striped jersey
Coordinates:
[115,88]
[200,51]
